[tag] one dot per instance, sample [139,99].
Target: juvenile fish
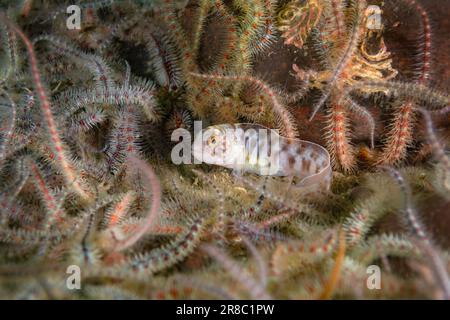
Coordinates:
[256,149]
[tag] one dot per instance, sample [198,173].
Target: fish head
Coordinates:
[218,145]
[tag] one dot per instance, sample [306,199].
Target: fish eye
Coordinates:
[212,140]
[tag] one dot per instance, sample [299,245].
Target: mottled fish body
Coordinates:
[256,149]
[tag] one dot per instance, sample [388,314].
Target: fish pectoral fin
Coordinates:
[238,172]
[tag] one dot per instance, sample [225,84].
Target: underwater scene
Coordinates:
[224,150]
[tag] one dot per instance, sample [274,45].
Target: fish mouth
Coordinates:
[197,152]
